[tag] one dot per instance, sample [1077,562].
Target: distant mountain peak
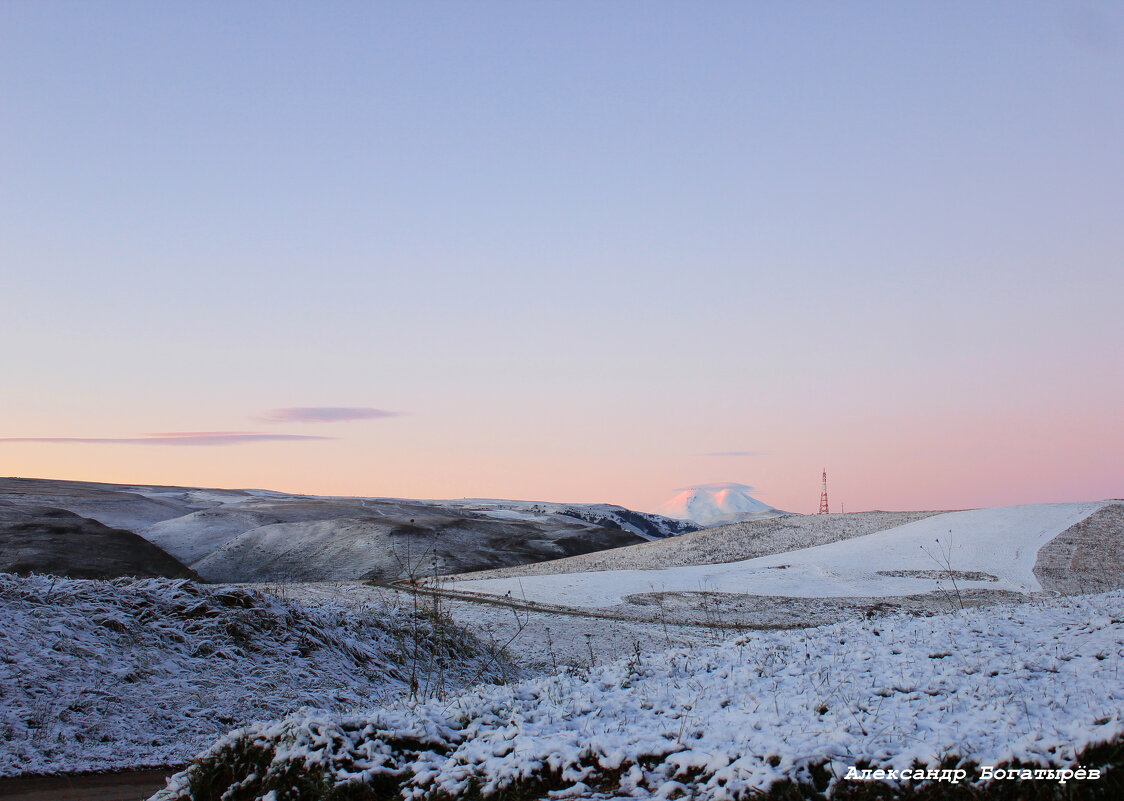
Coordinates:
[716,503]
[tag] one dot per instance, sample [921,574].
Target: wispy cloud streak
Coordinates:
[735,453]
[718,485]
[189,438]
[327,414]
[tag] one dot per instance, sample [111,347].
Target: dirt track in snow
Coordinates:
[129,785]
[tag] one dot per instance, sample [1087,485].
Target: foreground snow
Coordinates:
[129,673]
[1001,543]
[1034,682]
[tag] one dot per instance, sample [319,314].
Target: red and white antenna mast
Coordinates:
[823,494]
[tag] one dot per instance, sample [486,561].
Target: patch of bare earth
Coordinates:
[733,610]
[1086,557]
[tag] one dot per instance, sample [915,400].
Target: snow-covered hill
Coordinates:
[1037,683]
[716,504]
[98,675]
[260,535]
[642,524]
[990,549]
[44,539]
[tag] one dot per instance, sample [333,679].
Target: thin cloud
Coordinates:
[326,414]
[735,453]
[718,485]
[194,438]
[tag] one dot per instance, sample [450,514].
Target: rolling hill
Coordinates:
[44,539]
[261,535]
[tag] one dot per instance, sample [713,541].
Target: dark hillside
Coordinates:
[43,539]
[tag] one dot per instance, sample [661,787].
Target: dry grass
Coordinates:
[1087,557]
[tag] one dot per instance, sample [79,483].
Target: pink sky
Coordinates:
[939,461]
[576,250]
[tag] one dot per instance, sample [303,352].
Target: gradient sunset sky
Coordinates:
[567,251]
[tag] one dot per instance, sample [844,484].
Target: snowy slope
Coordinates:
[1036,682]
[193,537]
[1001,543]
[97,675]
[113,505]
[643,524]
[252,535]
[716,504]
[374,546]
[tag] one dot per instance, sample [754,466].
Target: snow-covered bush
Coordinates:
[129,673]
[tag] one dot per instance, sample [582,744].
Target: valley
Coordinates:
[376,615]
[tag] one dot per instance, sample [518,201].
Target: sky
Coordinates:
[582,252]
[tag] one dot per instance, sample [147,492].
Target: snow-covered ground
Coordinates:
[260,535]
[541,641]
[729,543]
[101,675]
[992,549]
[642,524]
[1034,682]
[97,675]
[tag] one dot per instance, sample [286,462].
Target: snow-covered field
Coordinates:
[129,673]
[989,549]
[541,641]
[729,543]
[1034,682]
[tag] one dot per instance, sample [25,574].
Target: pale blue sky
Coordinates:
[560,234]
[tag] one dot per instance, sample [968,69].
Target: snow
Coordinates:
[714,504]
[97,675]
[509,514]
[193,537]
[643,524]
[1034,682]
[193,523]
[540,641]
[1000,542]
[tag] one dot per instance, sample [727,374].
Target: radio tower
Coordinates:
[823,494]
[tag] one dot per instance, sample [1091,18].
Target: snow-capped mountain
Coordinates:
[716,504]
